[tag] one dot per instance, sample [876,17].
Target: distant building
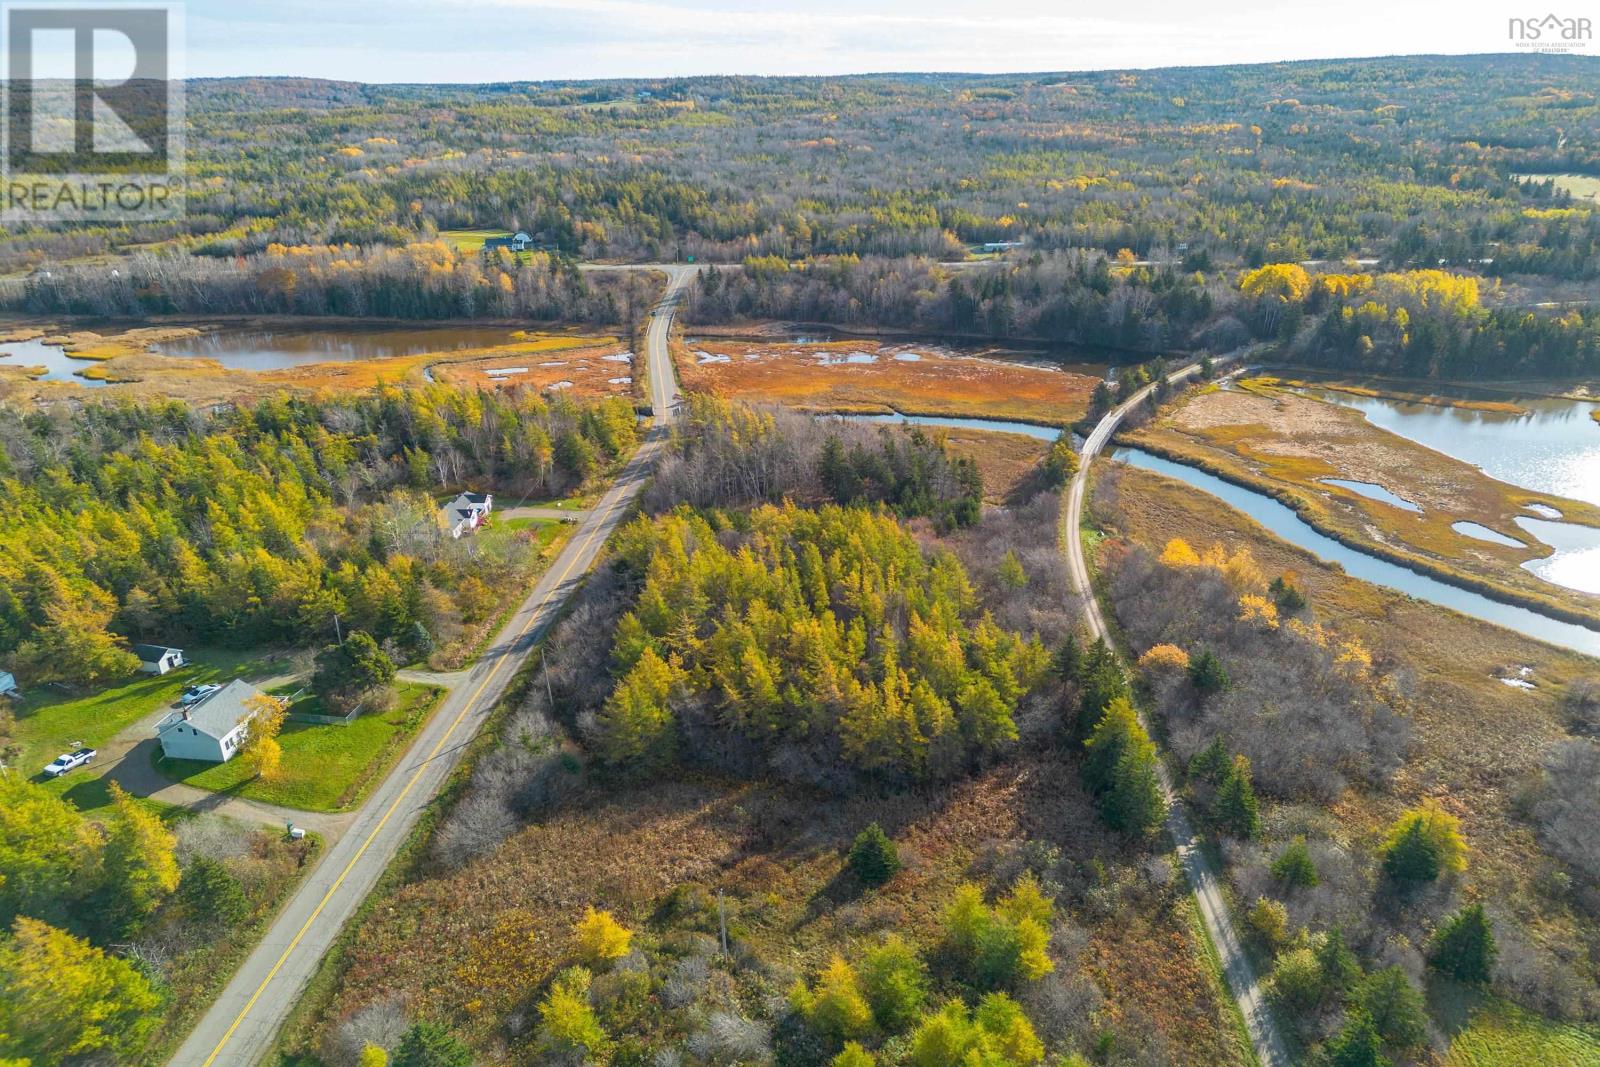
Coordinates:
[158,659]
[466,513]
[8,686]
[213,730]
[517,242]
[1000,246]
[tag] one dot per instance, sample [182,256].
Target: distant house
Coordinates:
[214,729]
[517,242]
[8,686]
[158,659]
[466,513]
[1000,246]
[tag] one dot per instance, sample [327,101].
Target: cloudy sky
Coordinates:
[516,40]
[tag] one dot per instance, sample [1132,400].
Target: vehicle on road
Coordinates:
[195,694]
[68,761]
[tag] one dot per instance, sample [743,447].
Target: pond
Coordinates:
[1576,562]
[1283,522]
[58,366]
[1373,491]
[1028,429]
[271,348]
[1554,448]
[1480,532]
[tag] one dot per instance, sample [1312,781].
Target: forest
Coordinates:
[262,523]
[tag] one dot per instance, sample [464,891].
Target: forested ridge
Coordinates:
[261,523]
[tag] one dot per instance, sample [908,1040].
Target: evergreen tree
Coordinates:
[428,1044]
[210,894]
[1294,867]
[1234,809]
[1395,1007]
[873,856]
[1207,674]
[1412,856]
[1101,681]
[1463,948]
[1135,803]
[1339,967]
[1357,1044]
[1210,763]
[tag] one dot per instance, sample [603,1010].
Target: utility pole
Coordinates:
[544,668]
[722,921]
[338,631]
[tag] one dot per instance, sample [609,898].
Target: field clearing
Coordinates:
[325,767]
[876,377]
[1477,740]
[1580,186]
[1005,460]
[471,946]
[1287,445]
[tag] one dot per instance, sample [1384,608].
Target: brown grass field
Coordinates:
[816,377]
[471,947]
[1285,444]
[123,356]
[1478,741]
[1004,459]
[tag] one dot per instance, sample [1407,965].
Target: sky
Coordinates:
[530,40]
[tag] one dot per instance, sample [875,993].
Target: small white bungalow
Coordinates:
[466,513]
[214,729]
[158,659]
[8,686]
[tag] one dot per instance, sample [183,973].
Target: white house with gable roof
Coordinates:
[214,729]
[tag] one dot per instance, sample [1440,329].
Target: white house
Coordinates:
[8,686]
[212,730]
[158,659]
[466,513]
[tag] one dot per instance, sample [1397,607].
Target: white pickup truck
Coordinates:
[68,761]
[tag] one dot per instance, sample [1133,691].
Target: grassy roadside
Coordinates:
[299,1028]
[194,987]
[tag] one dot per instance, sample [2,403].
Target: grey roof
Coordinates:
[151,653]
[220,712]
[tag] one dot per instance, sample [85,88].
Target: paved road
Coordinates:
[1270,1049]
[242,1026]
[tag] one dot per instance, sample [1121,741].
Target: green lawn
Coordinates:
[324,768]
[1501,1035]
[51,721]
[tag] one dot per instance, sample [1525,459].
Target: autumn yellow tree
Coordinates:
[260,750]
[599,938]
[62,998]
[139,860]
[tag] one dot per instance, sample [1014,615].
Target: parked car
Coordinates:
[68,761]
[195,694]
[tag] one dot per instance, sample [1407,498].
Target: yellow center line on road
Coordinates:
[603,518]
